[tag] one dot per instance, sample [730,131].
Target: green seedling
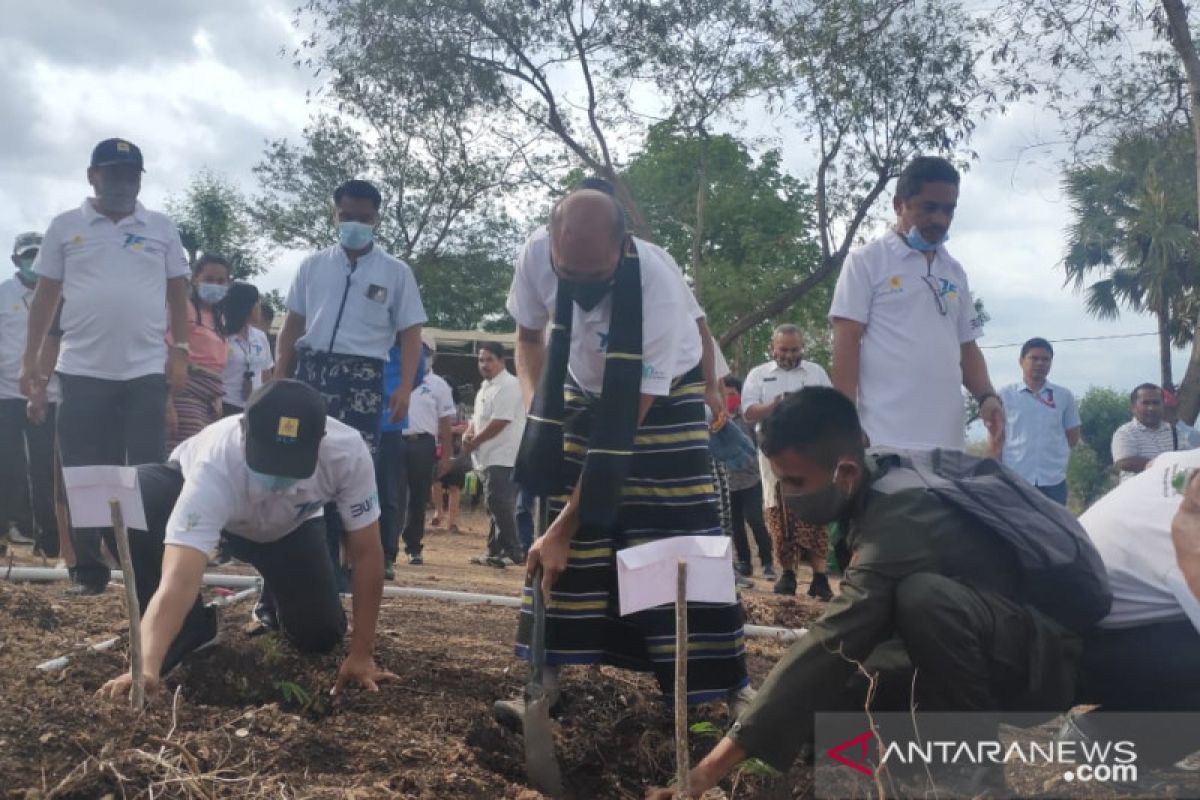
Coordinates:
[293,693]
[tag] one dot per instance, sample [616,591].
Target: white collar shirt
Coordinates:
[1035,431]
[671,344]
[250,353]
[499,398]
[768,381]
[219,495]
[431,402]
[15,298]
[114,287]
[917,315]
[1131,527]
[354,312]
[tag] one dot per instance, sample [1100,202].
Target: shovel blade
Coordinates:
[540,763]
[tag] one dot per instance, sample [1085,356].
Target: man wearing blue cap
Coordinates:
[121,275]
[257,482]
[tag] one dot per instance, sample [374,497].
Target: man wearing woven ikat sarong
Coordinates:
[617,439]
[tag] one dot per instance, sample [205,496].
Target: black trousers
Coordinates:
[27,474]
[108,422]
[420,459]
[747,505]
[392,486]
[1148,668]
[297,574]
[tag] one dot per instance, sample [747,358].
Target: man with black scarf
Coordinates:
[617,427]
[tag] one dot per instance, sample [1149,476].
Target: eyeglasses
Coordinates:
[934,284]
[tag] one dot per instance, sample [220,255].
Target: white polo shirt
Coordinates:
[365,306]
[670,339]
[219,494]
[14,329]
[499,398]
[114,286]
[1131,527]
[250,353]
[430,402]
[910,363]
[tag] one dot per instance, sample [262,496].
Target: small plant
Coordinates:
[293,693]
[705,730]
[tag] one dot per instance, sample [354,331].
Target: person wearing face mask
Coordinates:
[122,276]
[249,362]
[26,441]
[199,403]
[257,483]
[617,440]
[904,324]
[345,309]
[933,606]
[766,387]
[746,495]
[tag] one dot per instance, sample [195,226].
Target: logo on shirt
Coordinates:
[948,290]
[652,374]
[134,242]
[358,509]
[377,293]
[191,521]
[895,285]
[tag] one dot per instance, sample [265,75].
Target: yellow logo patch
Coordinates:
[122,147]
[896,282]
[289,427]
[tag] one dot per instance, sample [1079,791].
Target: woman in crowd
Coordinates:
[249,362]
[200,401]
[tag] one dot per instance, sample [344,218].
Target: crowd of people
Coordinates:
[314,458]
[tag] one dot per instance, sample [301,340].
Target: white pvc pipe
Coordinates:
[35,574]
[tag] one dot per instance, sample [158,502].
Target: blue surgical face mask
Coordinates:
[25,267]
[212,293]
[918,242]
[355,235]
[272,483]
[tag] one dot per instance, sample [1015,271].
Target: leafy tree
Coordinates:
[757,237]
[1088,477]
[1101,412]
[1135,224]
[214,217]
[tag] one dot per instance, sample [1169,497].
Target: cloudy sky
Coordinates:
[205,84]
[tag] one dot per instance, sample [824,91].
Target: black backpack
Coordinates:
[1065,578]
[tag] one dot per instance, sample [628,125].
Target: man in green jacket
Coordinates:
[926,589]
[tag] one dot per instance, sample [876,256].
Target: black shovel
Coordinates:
[540,763]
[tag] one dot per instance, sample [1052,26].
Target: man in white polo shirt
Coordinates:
[1145,655]
[616,443]
[1139,441]
[257,482]
[904,324]
[493,438]
[26,445]
[122,276]
[766,387]
[431,413]
[346,306]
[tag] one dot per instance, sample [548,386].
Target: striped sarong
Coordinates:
[196,406]
[669,492]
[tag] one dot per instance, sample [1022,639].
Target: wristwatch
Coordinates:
[182,346]
[983,397]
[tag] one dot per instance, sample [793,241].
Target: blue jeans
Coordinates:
[1057,492]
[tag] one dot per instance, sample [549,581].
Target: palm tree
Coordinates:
[1134,229]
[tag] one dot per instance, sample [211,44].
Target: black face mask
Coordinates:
[586,294]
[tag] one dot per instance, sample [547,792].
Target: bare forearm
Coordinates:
[366,578]
[445,435]
[177,308]
[708,356]
[847,348]
[758,412]
[410,355]
[285,345]
[975,371]
[183,569]
[1132,464]
[490,431]
[41,314]
[531,359]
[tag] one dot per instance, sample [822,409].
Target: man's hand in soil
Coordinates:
[120,687]
[360,671]
[705,775]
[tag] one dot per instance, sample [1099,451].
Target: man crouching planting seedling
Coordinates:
[258,482]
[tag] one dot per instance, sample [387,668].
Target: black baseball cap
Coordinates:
[284,423]
[117,151]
